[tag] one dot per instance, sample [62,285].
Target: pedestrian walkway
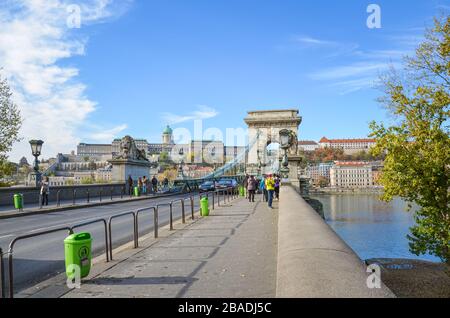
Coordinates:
[231,254]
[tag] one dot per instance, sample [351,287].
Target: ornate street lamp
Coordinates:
[285,144]
[181,171]
[36,147]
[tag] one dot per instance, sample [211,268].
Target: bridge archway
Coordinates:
[265,127]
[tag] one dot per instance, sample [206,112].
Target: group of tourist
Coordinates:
[268,186]
[143,184]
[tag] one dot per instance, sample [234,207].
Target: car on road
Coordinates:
[207,186]
[226,183]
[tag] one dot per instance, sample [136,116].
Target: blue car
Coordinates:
[226,183]
[207,186]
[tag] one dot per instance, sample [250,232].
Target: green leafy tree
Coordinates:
[164,156]
[417,147]
[10,123]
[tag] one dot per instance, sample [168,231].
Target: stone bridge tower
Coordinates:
[265,127]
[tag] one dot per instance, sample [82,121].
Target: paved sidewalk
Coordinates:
[231,254]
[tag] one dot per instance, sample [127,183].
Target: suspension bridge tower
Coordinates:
[264,130]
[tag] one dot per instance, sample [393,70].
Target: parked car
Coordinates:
[207,186]
[226,183]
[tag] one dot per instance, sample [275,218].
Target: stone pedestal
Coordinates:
[295,162]
[34,179]
[123,168]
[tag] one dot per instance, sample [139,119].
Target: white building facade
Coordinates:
[351,175]
[318,171]
[308,145]
[350,146]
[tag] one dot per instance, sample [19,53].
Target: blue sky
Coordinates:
[135,66]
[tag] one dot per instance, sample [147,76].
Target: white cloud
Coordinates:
[310,41]
[332,48]
[362,68]
[106,136]
[34,37]
[202,112]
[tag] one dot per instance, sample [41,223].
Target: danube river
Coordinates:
[372,228]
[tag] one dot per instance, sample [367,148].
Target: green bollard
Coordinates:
[136,192]
[204,203]
[77,250]
[242,191]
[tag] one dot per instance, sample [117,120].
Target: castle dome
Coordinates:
[168,130]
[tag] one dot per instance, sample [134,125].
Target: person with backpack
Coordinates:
[270,186]
[262,188]
[251,187]
[277,187]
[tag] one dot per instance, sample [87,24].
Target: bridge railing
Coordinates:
[227,195]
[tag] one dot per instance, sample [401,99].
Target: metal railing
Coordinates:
[11,250]
[170,205]
[191,203]
[108,231]
[155,220]
[58,201]
[94,222]
[183,215]
[2,275]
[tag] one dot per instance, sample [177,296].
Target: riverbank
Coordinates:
[313,191]
[409,278]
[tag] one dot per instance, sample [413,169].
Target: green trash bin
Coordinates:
[204,204]
[77,250]
[18,201]
[242,191]
[136,192]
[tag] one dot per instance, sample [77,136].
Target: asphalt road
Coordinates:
[37,259]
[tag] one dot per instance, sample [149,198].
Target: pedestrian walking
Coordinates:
[140,185]
[245,184]
[155,184]
[270,186]
[277,187]
[144,184]
[251,187]
[262,187]
[45,191]
[166,182]
[130,185]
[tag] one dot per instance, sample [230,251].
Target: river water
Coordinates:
[372,228]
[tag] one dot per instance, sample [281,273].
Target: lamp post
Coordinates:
[36,147]
[285,144]
[181,171]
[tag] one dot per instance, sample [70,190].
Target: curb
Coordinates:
[12,215]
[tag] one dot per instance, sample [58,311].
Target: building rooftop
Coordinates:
[306,142]
[326,140]
[355,163]
[168,130]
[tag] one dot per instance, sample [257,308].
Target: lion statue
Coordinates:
[128,150]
